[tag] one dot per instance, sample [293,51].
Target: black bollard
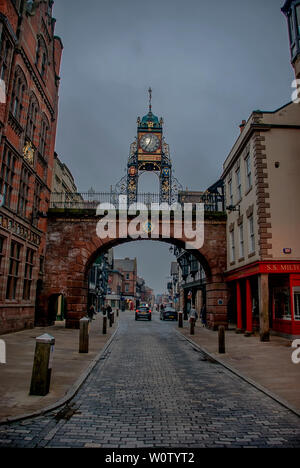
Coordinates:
[180,319]
[84,335]
[104,327]
[192,325]
[222,340]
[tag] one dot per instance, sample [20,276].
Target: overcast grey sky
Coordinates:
[209,63]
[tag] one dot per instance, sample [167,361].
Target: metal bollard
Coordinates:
[117,312]
[42,365]
[192,325]
[111,319]
[104,327]
[222,340]
[84,335]
[180,319]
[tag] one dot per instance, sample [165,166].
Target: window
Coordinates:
[282,303]
[7,174]
[13,273]
[127,276]
[241,236]
[2,240]
[43,138]
[297,303]
[29,264]
[251,235]
[31,118]
[232,247]
[41,57]
[127,288]
[36,201]
[5,58]
[239,184]
[19,88]
[23,192]
[230,192]
[298,19]
[248,173]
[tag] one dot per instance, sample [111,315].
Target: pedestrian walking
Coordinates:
[91,312]
[193,314]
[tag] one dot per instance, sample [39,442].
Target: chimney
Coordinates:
[242,126]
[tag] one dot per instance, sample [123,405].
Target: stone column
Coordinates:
[239,322]
[263,290]
[249,326]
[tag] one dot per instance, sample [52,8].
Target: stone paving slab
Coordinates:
[68,366]
[267,364]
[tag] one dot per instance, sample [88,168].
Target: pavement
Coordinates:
[69,369]
[267,366]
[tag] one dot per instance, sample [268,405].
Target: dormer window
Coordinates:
[41,58]
[291,10]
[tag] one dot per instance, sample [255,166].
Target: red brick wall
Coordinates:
[23,34]
[73,245]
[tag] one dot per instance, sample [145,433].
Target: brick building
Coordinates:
[30,56]
[128,267]
[261,176]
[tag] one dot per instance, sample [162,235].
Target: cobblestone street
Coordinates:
[153,389]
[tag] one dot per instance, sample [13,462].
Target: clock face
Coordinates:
[149,143]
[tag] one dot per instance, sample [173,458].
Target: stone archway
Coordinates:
[73,246]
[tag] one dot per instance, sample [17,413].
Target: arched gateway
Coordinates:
[73,243]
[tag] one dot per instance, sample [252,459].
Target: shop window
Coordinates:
[242,250]
[297,303]
[14,267]
[282,303]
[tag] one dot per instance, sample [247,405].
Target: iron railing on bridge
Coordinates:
[213,202]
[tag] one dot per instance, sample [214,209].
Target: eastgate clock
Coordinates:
[149,143]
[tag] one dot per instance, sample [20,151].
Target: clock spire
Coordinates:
[150,99]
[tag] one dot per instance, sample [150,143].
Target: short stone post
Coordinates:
[104,326]
[117,312]
[221,340]
[42,365]
[84,335]
[180,319]
[192,325]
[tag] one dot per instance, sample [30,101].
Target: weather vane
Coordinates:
[150,99]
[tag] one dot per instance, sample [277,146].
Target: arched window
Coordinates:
[19,88]
[41,58]
[44,136]
[32,117]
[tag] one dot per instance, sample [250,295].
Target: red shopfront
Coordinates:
[274,286]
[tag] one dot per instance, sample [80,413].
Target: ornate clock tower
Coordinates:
[149,153]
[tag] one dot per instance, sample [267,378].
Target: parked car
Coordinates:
[143,313]
[168,314]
